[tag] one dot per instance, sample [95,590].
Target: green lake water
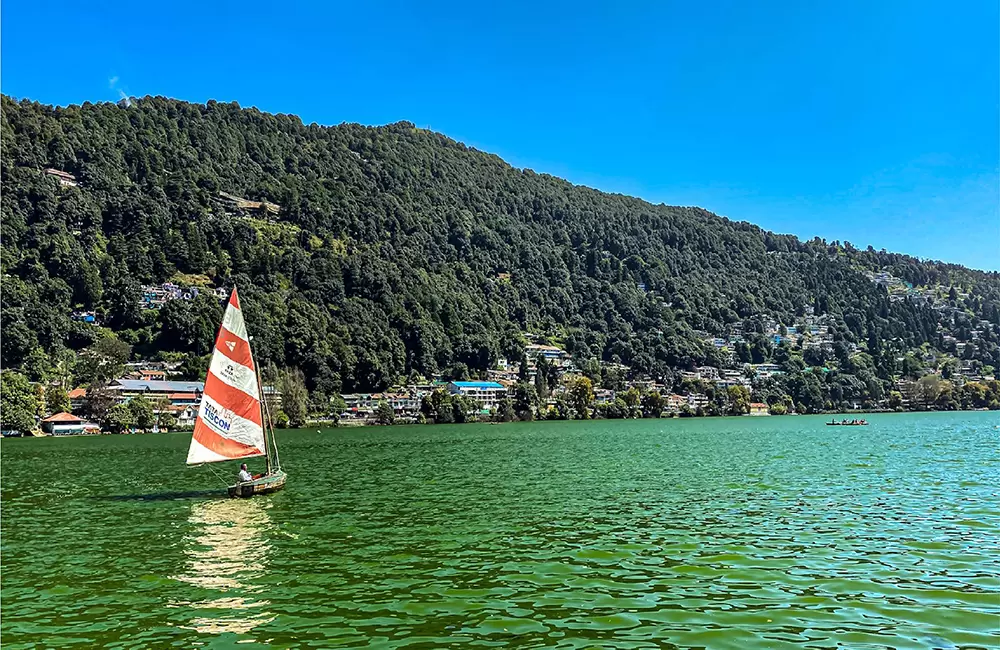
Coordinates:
[772,532]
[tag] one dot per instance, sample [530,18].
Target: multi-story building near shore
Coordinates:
[361,406]
[487,393]
[154,389]
[697,400]
[404,405]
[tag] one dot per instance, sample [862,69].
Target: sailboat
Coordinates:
[234,422]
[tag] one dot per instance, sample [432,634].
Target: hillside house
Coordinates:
[675,402]
[260,208]
[708,372]
[65,178]
[767,370]
[604,396]
[155,296]
[77,399]
[549,352]
[359,406]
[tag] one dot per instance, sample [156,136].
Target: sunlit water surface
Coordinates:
[718,533]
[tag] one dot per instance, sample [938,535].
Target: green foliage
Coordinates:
[56,400]
[281,420]
[18,403]
[444,408]
[506,411]
[525,400]
[386,259]
[293,396]
[632,397]
[104,361]
[739,400]
[142,412]
[118,419]
[98,402]
[615,410]
[653,404]
[581,395]
[337,407]
[384,413]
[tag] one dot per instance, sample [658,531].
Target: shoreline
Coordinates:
[358,425]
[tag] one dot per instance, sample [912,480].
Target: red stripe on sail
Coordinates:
[233,399]
[234,348]
[234,300]
[223,446]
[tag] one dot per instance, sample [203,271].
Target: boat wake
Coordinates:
[164,496]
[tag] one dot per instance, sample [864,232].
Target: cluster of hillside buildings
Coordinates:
[154,296]
[811,332]
[898,289]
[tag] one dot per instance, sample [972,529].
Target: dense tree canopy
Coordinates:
[398,250]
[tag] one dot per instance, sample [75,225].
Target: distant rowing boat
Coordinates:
[845,423]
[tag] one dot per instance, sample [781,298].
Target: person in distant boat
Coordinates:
[244,474]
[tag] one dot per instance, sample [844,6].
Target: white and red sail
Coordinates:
[229,424]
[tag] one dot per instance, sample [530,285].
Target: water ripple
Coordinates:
[732,533]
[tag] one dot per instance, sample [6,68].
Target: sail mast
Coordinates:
[266,412]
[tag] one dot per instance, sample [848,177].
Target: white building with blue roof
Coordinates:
[487,393]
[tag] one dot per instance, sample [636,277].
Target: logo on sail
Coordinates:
[213,416]
[230,345]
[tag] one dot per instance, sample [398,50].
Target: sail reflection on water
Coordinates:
[228,549]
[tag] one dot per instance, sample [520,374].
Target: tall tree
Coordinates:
[104,361]
[294,396]
[56,400]
[581,393]
[18,403]
[739,400]
[384,413]
[142,412]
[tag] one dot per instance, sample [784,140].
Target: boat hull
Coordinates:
[264,485]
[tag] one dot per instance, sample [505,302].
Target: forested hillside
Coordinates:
[398,251]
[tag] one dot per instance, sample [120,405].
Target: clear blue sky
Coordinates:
[873,122]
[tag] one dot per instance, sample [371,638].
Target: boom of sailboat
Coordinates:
[234,421]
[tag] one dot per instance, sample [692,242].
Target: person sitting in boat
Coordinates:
[244,474]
